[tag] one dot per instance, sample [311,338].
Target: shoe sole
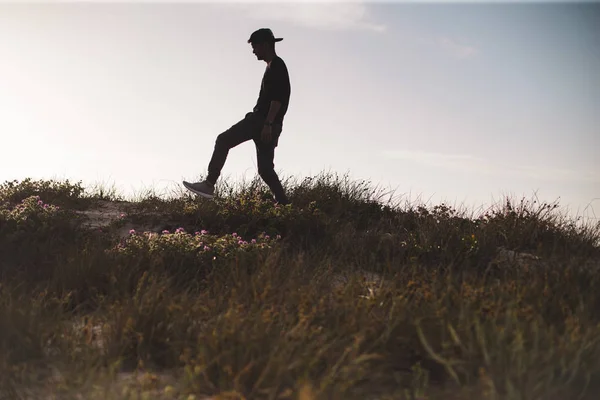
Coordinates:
[202,194]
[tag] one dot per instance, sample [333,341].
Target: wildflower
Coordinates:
[169,390]
[131,231]
[197,233]
[206,248]
[203,232]
[278,237]
[40,202]
[234,234]
[267,237]
[179,230]
[253,241]
[165,231]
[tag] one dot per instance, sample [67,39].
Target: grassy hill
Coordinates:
[338,296]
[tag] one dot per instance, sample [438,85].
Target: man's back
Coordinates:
[275,86]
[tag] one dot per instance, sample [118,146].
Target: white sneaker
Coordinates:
[204,188]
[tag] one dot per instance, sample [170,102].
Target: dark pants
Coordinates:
[249,128]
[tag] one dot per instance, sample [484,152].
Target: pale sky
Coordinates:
[461,103]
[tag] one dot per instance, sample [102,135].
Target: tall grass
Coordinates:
[343,294]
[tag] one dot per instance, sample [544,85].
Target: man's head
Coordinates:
[263,43]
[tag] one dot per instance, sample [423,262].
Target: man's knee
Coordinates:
[236,134]
[266,171]
[222,141]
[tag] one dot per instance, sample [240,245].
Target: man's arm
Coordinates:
[273,110]
[279,91]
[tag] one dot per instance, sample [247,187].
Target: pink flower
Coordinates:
[206,248]
[253,241]
[267,237]
[40,202]
[132,231]
[203,232]
[179,230]
[165,231]
[234,234]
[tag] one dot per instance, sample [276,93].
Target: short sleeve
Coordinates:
[280,82]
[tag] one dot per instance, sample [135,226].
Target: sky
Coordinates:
[462,103]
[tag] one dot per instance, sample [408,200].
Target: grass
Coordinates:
[341,295]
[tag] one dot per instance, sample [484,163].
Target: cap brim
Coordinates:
[263,41]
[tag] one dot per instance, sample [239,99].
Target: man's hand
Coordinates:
[266,134]
[274,107]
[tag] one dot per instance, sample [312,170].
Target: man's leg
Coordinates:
[265,153]
[240,132]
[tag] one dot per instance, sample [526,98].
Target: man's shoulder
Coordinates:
[278,62]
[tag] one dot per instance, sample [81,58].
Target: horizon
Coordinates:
[460,104]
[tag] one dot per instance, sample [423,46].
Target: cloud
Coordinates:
[556,174]
[451,46]
[458,161]
[455,49]
[334,15]
[317,14]
[478,165]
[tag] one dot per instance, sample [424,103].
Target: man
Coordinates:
[263,125]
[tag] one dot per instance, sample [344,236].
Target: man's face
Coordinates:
[259,50]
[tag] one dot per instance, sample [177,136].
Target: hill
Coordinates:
[340,295]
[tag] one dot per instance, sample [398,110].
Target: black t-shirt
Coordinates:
[275,85]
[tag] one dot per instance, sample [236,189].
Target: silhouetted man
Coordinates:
[263,125]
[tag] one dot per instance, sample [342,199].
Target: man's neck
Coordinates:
[270,58]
